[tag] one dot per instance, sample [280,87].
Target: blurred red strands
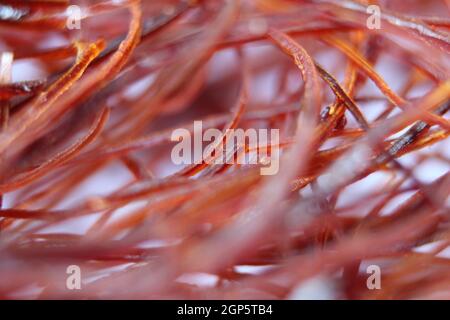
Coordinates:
[86,175]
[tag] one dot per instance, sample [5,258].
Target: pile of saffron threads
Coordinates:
[92,91]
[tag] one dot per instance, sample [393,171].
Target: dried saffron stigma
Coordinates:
[224,149]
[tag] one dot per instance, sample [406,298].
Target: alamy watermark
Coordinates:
[374,20]
[73,281]
[374,280]
[74,16]
[234,146]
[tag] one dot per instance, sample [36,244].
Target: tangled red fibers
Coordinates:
[91,92]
